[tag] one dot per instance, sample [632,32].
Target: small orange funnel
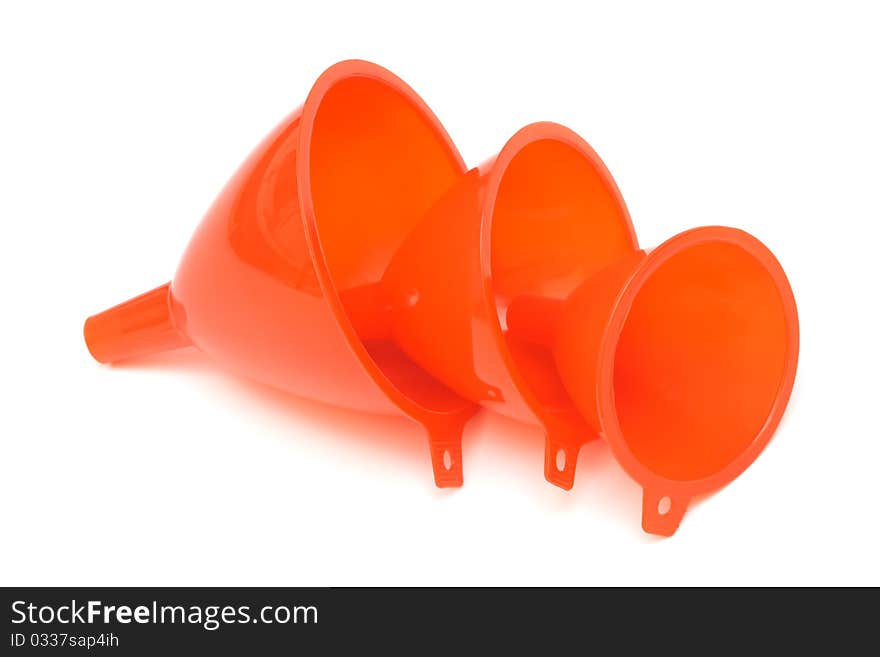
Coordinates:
[291,248]
[683,358]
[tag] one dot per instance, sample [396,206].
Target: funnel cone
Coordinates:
[276,281]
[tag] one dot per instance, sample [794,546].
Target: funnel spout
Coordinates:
[137,327]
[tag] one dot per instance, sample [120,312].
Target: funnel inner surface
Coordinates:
[378,161]
[557,219]
[700,360]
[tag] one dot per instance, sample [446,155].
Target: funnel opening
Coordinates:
[703,361]
[555,217]
[373,160]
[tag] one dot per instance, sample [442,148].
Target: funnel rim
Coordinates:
[494,171]
[344,70]
[607,413]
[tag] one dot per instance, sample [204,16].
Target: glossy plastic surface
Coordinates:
[311,217]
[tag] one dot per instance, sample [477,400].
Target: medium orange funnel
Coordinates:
[279,262]
[537,219]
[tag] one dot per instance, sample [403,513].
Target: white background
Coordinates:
[119,124]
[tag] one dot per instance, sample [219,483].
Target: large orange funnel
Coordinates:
[277,268]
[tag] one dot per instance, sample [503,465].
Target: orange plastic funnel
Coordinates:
[537,219]
[683,358]
[276,282]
